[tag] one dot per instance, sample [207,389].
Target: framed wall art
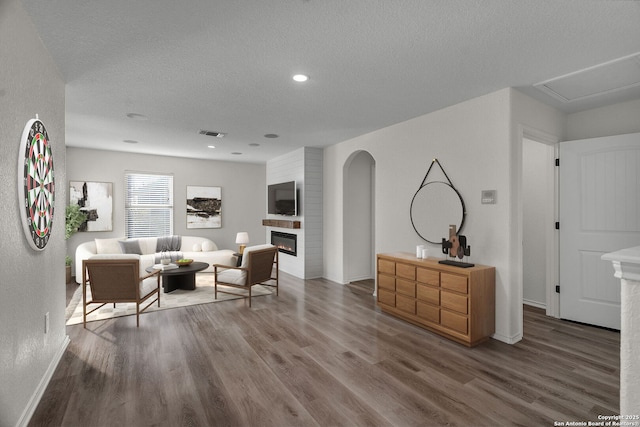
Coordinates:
[204,207]
[96,200]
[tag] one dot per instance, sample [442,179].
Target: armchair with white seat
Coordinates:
[117,279]
[259,267]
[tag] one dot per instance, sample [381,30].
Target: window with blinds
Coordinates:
[148,205]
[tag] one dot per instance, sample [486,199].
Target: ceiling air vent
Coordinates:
[619,74]
[211,133]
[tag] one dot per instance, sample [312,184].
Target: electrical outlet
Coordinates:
[46,323]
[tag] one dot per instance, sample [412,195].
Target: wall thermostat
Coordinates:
[489,197]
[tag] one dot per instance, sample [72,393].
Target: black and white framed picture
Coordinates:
[204,207]
[96,200]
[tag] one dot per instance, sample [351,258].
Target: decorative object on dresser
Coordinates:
[456,303]
[435,205]
[456,246]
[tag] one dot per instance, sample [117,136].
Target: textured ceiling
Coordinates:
[226,66]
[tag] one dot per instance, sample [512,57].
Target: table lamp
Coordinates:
[242,238]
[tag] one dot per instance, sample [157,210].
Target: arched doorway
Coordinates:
[359,225]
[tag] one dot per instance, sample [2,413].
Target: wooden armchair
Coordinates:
[257,268]
[118,278]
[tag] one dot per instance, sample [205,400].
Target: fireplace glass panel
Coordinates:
[285,242]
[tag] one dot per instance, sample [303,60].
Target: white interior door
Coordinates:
[599,213]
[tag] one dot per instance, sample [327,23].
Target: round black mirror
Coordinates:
[434,207]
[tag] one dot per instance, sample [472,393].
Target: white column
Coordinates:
[626,264]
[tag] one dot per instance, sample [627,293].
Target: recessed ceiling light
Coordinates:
[235,153]
[271,135]
[130,141]
[211,146]
[137,116]
[300,78]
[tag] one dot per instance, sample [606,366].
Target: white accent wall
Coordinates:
[32,281]
[304,166]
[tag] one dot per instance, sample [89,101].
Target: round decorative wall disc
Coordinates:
[36,184]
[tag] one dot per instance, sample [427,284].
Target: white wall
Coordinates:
[478,142]
[471,141]
[32,281]
[616,119]
[359,218]
[242,188]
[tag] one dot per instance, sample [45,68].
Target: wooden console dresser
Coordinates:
[457,303]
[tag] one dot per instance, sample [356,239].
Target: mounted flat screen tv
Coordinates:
[282,199]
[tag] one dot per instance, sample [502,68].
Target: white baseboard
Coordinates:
[358,278]
[535,304]
[506,339]
[42,386]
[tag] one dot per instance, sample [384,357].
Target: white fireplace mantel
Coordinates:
[626,264]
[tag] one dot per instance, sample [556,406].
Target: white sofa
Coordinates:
[196,248]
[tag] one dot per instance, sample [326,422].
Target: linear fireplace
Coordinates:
[285,242]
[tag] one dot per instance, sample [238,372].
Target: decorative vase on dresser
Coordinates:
[457,303]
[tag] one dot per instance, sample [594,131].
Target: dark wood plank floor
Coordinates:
[322,354]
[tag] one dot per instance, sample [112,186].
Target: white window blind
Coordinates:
[148,205]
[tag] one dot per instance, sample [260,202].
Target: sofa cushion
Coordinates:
[197,247]
[208,246]
[130,246]
[108,246]
[148,285]
[147,244]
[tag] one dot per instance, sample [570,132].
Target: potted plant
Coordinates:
[74,218]
[67,264]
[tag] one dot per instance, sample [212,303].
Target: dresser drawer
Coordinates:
[406,304]
[428,276]
[428,312]
[454,322]
[406,287]
[406,271]
[454,302]
[454,282]
[386,297]
[386,282]
[428,294]
[386,266]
